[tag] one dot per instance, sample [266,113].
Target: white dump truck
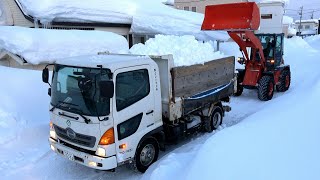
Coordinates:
[110,109]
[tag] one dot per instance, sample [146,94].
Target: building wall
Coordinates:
[271,17]
[17,15]
[200,5]
[5,14]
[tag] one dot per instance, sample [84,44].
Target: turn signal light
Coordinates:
[272,61]
[107,138]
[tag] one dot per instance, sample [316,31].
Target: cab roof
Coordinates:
[110,61]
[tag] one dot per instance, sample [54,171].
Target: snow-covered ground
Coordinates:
[278,139]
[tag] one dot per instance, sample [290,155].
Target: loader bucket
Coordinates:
[232,17]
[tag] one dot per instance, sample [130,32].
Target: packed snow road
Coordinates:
[258,139]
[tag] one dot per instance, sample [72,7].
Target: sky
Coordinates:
[309,6]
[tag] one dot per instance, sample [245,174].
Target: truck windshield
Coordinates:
[76,89]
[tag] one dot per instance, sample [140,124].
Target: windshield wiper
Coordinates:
[80,113]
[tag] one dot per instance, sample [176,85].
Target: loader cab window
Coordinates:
[268,43]
[131,87]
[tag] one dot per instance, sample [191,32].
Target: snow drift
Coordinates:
[280,141]
[44,45]
[186,50]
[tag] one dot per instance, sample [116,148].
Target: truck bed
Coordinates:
[187,88]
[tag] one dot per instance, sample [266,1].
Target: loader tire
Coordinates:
[285,80]
[266,88]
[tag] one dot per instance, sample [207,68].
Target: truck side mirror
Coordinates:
[106,89]
[45,75]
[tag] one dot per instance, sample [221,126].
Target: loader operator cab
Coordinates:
[272,48]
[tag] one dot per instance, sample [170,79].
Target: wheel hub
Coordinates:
[147,155]
[270,88]
[287,81]
[216,120]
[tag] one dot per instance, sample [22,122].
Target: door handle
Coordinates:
[150,112]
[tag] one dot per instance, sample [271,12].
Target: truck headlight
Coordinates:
[52,131]
[101,152]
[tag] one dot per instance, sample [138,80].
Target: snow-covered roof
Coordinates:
[112,61]
[45,46]
[145,16]
[308,21]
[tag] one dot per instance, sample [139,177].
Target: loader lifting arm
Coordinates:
[239,20]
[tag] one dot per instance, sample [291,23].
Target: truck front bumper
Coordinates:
[89,160]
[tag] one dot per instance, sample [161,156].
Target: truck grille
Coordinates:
[81,139]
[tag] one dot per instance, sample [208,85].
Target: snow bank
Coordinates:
[147,17]
[186,50]
[314,41]
[44,46]
[279,141]
[20,105]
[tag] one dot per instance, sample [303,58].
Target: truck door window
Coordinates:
[131,87]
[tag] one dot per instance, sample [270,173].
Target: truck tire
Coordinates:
[239,90]
[239,87]
[266,88]
[146,154]
[216,118]
[285,80]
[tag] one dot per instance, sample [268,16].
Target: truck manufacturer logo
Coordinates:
[71,134]
[68,123]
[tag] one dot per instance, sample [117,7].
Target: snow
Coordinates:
[146,17]
[45,46]
[313,41]
[316,21]
[186,50]
[287,20]
[277,140]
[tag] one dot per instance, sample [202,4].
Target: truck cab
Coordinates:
[100,126]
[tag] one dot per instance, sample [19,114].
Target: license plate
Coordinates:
[68,155]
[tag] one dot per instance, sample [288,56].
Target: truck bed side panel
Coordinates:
[191,80]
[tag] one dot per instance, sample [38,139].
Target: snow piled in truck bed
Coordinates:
[146,16]
[186,50]
[45,46]
[280,140]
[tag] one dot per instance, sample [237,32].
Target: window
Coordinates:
[300,27]
[307,26]
[129,127]
[131,87]
[186,8]
[266,16]
[194,9]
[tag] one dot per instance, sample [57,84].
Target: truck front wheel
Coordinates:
[146,154]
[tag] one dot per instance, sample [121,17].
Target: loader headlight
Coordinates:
[52,131]
[240,60]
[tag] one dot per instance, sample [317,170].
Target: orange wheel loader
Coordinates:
[262,53]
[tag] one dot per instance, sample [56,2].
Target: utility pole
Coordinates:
[312,14]
[300,13]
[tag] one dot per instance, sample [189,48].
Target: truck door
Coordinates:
[133,108]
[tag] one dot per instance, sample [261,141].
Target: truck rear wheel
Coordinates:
[285,80]
[146,154]
[266,88]
[216,118]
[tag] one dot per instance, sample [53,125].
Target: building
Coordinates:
[199,5]
[307,27]
[12,14]
[271,17]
